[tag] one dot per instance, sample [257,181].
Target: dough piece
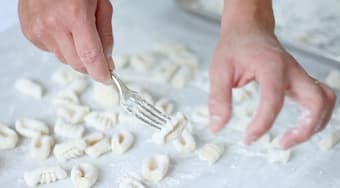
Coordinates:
[65,97]
[131,182]
[165,71]
[99,148]
[185,143]
[275,143]
[200,115]
[31,128]
[333,79]
[165,106]
[182,76]
[44,175]
[121,61]
[241,95]
[8,137]
[93,138]
[73,113]
[125,118]
[155,167]
[211,153]
[69,150]
[105,95]
[29,88]
[278,156]
[245,111]
[102,120]
[68,130]
[41,146]
[171,130]
[330,141]
[66,76]
[121,142]
[78,86]
[264,141]
[84,175]
[170,48]
[141,63]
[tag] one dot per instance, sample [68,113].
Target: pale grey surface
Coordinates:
[138,25]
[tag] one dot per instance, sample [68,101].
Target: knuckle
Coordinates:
[75,9]
[89,56]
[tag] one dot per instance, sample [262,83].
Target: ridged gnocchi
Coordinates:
[68,130]
[165,106]
[131,182]
[31,127]
[99,148]
[330,140]
[44,175]
[102,120]
[73,113]
[171,130]
[8,137]
[42,146]
[69,150]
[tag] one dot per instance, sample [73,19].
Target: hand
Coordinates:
[78,32]
[247,52]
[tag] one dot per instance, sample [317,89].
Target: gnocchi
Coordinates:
[121,142]
[44,175]
[278,156]
[65,76]
[200,115]
[41,146]
[69,150]
[8,137]
[104,95]
[211,153]
[185,143]
[141,63]
[29,88]
[171,130]
[31,128]
[102,120]
[73,113]
[64,97]
[84,175]
[330,141]
[165,71]
[182,76]
[68,130]
[155,167]
[165,106]
[99,148]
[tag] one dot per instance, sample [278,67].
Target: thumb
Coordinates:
[220,95]
[104,27]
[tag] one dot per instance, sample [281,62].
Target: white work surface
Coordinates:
[138,25]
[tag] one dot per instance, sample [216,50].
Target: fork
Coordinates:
[134,104]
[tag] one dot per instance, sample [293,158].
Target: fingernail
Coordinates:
[215,123]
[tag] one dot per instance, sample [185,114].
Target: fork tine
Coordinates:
[145,113]
[153,111]
[148,122]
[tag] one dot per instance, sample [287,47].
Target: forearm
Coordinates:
[251,12]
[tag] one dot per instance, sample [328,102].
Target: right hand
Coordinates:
[78,32]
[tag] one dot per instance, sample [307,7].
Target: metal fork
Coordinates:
[134,104]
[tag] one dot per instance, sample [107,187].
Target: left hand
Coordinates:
[247,52]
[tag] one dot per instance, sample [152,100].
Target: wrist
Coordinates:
[248,13]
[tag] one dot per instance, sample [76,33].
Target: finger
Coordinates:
[314,111]
[221,75]
[104,27]
[68,51]
[90,51]
[271,101]
[331,100]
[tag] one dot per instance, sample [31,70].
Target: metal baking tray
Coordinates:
[195,7]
